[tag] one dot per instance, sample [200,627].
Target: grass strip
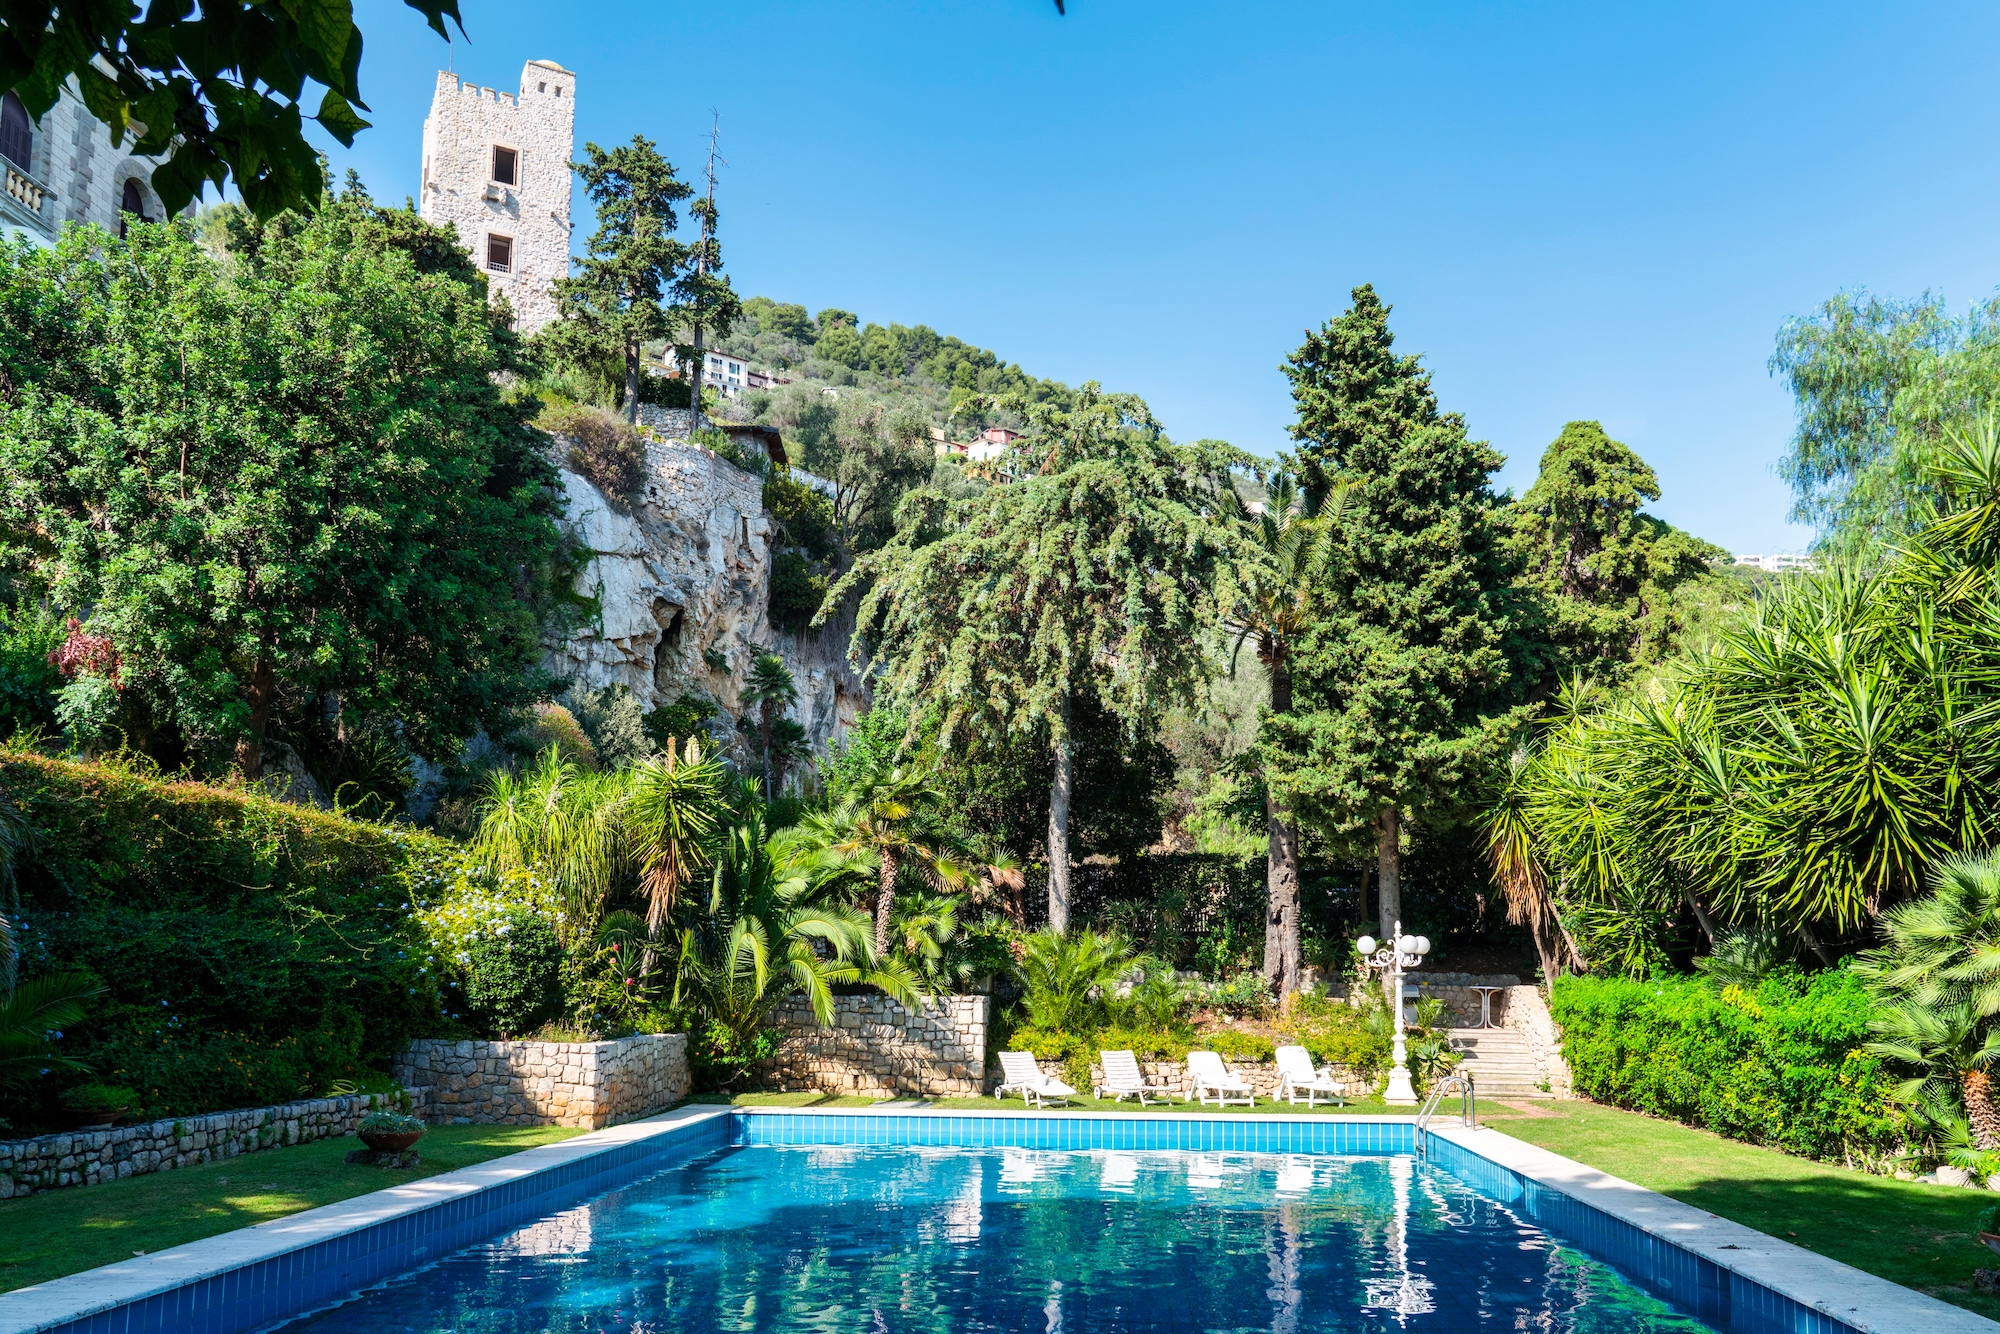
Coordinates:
[62,1232]
[1909,1232]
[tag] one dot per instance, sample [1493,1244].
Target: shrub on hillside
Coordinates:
[600,446]
[1781,1063]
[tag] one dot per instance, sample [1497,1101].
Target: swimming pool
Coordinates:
[892,1218]
[871,1237]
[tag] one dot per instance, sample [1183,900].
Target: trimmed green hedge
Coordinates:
[252,951]
[1779,1064]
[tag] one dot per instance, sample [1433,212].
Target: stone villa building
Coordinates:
[64,168]
[496,165]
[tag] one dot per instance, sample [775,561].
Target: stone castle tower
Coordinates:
[497,165]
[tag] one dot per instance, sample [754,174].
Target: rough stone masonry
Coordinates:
[589,1084]
[86,1157]
[875,1046]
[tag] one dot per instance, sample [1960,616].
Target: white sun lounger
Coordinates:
[1122,1076]
[1296,1075]
[1023,1076]
[1207,1074]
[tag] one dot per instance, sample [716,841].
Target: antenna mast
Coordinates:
[701,261]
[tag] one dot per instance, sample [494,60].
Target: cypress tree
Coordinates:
[1402,681]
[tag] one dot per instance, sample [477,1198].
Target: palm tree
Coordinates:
[1953,1047]
[32,1011]
[770,690]
[771,926]
[1273,607]
[1067,976]
[888,820]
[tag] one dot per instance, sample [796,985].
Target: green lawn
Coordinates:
[63,1231]
[1918,1235]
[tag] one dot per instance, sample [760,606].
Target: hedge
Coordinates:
[251,951]
[1780,1064]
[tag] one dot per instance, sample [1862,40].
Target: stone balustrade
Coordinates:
[589,1084]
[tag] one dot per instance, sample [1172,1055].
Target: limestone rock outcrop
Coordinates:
[681,577]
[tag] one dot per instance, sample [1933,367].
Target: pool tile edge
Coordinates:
[1861,1301]
[127,1284]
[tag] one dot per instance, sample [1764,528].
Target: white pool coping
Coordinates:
[78,1296]
[1862,1300]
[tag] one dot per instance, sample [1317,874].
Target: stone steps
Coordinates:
[1499,1061]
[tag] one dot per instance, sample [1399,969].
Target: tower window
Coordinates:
[505,161]
[541,87]
[131,203]
[17,132]
[500,253]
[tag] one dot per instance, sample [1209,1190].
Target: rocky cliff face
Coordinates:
[683,574]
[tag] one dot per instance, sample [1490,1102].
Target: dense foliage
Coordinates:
[249,951]
[280,482]
[1782,1063]
[1803,775]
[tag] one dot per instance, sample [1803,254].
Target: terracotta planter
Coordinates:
[390,1141]
[98,1120]
[1992,1242]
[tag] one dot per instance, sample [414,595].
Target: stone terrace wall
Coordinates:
[589,1084]
[86,1157]
[875,1046]
[1528,1014]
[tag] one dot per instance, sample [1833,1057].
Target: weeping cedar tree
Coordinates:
[619,298]
[1095,575]
[279,478]
[1402,681]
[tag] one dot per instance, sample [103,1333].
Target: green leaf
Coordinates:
[105,100]
[338,118]
[324,26]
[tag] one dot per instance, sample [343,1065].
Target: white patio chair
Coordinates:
[1296,1075]
[1026,1078]
[1207,1074]
[1122,1076]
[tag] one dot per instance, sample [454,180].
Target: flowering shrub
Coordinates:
[494,943]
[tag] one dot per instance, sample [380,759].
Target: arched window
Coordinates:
[131,202]
[17,132]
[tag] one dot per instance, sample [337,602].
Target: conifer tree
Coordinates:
[617,301]
[1401,682]
[1601,572]
[1092,579]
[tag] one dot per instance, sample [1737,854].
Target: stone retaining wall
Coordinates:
[875,1046]
[589,1084]
[1528,1013]
[86,1157]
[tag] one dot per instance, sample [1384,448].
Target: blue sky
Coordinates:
[1577,211]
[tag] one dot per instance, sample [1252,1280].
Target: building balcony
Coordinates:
[27,203]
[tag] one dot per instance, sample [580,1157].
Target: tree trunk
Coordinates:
[1281,866]
[1812,943]
[1388,871]
[263,688]
[1552,965]
[632,357]
[1059,791]
[1701,916]
[885,902]
[765,720]
[1980,1113]
[1281,915]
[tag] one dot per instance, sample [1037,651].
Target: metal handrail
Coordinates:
[1460,1080]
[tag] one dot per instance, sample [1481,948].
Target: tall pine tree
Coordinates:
[1402,681]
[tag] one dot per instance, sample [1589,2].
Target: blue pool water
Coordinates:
[894,1239]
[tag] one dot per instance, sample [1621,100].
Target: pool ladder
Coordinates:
[1458,1080]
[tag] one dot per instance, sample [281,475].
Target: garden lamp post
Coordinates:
[1392,957]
